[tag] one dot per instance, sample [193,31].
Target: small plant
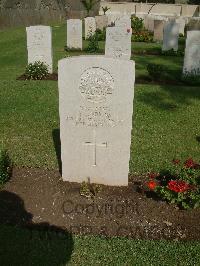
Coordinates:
[155,71]
[191,77]
[172,52]
[5,166]
[101,34]
[89,190]
[36,71]
[180,184]
[137,24]
[93,44]
[105,9]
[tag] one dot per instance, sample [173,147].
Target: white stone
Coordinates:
[118,42]
[39,45]
[170,36]
[158,30]
[95,106]
[90,27]
[192,53]
[181,23]
[101,22]
[74,33]
[124,21]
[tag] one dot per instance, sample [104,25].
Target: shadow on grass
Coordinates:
[25,243]
[169,98]
[57,147]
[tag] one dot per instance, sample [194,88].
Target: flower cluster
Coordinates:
[179,184]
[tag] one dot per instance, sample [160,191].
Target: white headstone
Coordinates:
[124,21]
[96,105]
[192,53]
[74,33]
[101,22]
[112,18]
[181,23]
[90,27]
[170,36]
[39,45]
[118,42]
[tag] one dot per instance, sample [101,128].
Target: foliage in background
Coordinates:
[192,77]
[105,9]
[137,24]
[5,166]
[140,34]
[88,5]
[172,53]
[101,34]
[179,184]
[93,44]
[36,71]
[193,2]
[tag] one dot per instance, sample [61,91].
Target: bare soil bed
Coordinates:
[37,196]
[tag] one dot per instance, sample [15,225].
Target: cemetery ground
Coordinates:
[166,126]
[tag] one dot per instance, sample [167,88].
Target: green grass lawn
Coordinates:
[165,121]
[23,247]
[165,126]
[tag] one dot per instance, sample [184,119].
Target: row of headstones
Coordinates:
[95,106]
[118,41]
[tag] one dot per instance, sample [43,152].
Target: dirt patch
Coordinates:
[40,196]
[53,76]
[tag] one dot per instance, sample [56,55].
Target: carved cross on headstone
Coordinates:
[94,144]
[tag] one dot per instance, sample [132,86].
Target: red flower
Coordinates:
[178,186]
[153,175]
[151,185]
[189,163]
[176,161]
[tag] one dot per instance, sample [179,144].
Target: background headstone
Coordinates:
[74,33]
[118,42]
[181,23]
[170,36]
[124,21]
[96,105]
[39,45]
[101,22]
[192,53]
[90,27]
[158,30]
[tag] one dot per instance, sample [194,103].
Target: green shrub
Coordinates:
[173,53]
[155,71]
[137,24]
[93,45]
[36,71]
[101,34]
[180,184]
[5,166]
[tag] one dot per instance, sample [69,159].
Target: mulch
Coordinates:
[36,196]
